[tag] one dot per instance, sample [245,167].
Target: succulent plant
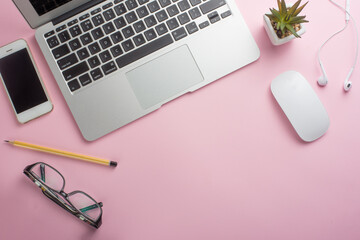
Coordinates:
[287,18]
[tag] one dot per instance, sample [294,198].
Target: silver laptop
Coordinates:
[118,60]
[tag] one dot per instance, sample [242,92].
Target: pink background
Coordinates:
[220,163]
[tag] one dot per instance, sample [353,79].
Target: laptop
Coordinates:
[118,60]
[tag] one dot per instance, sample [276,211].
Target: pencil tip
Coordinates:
[6,141]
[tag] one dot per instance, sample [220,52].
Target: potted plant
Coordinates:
[284,24]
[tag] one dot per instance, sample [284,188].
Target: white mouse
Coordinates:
[301,105]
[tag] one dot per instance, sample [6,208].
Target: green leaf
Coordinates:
[283,7]
[292,30]
[271,17]
[276,14]
[279,5]
[294,7]
[300,9]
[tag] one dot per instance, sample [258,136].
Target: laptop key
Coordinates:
[150,21]
[106,6]
[105,42]
[84,16]
[226,14]
[109,14]
[120,9]
[96,74]
[60,28]
[164,3]
[75,31]
[172,10]
[131,4]
[109,68]
[183,18]
[161,29]
[204,24]
[120,22]
[131,17]
[150,34]
[85,79]
[194,13]
[116,37]
[94,48]
[86,39]
[211,5]
[73,85]
[109,28]
[195,2]
[142,2]
[64,36]
[83,53]
[161,15]
[86,25]
[60,51]
[139,26]
[128,32]
[191,27]
[127,45]
[105,56]
[144,50]
[98,20]
[139,40]
[179,33]
[97,33]
[73,22]
[67,61]
[142,12]
[116,51]
[53,42]
[153,6]
[48,34]
[172,23]
[75,71]
[214,17]
[183,5]
[95,11]
[75,44]
[94,61]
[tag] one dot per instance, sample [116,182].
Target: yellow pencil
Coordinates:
[62,153]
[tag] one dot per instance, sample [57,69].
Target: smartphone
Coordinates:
[22,82]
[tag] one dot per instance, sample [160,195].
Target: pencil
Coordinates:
[62,153]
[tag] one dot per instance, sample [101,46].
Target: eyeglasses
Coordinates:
[52,184]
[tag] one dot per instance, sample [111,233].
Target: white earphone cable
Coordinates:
[346,24]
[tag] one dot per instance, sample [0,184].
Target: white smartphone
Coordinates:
[22,82]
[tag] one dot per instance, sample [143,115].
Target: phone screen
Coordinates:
[22,81]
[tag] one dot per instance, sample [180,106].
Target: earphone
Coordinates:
[323,79]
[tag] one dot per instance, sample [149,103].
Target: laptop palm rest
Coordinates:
[164,77]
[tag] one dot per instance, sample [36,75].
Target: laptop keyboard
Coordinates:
[120,32]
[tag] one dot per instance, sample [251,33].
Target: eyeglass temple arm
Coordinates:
[90,207]
[42,172]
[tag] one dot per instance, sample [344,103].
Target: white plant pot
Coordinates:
[275,40]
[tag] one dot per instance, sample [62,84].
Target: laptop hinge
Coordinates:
[76,11]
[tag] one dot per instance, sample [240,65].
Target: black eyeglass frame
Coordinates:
[68,206]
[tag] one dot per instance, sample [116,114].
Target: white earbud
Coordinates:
[347,83]
[323,80]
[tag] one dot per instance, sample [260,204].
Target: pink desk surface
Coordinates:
[220,163]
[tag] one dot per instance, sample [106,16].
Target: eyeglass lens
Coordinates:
[49,176]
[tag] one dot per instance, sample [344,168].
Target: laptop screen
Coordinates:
[42,7]
[39,12]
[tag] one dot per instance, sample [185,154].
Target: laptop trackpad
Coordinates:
[164,77]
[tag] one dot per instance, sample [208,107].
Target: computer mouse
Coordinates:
[301,105]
